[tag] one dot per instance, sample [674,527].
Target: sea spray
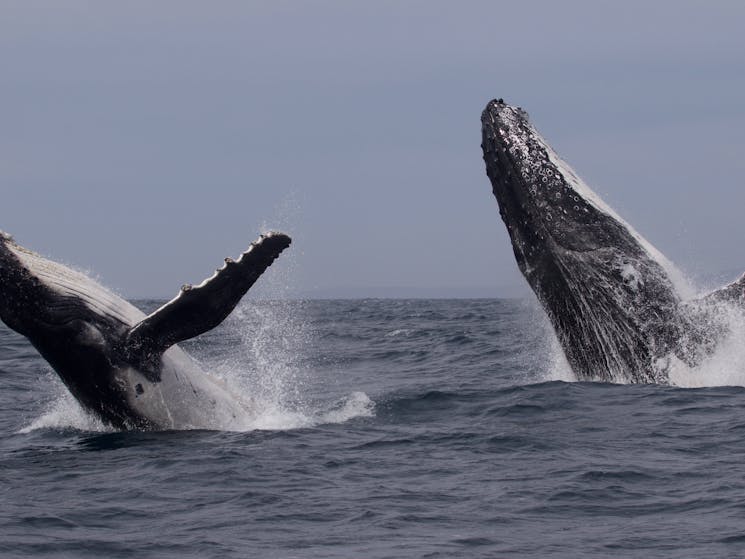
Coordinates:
[62,411]
[261,353]
[270,368]
[720,361]
[546,361]
[724,322]
[265,364]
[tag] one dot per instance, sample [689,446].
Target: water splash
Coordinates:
[559,369]
[357,404]
[270,367]
[281,281]
[266,363]
[267,345]
[269,364]
[64,412]
[545,358]
[260,352]
[725,366]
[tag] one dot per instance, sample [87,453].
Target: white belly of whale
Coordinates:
[185,397]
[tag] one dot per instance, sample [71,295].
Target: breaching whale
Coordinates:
[124,367]
[618,306]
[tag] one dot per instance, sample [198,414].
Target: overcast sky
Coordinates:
[146,141]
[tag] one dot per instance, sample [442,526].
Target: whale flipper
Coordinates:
[198,309]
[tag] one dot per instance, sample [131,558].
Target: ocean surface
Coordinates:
[383,428]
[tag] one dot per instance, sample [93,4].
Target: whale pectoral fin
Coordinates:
[198,309]
[732,293]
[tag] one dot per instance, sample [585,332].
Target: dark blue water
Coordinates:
[384,429]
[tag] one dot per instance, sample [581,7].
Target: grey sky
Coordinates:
[146,141]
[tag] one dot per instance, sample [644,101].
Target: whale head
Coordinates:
[609,293]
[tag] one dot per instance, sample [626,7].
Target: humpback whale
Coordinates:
[122,366]
[619,308]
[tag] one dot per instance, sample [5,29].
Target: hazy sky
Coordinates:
[146,141]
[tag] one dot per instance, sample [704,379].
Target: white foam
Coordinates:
[726,365]
[272,417]
[65,413]
[357,404]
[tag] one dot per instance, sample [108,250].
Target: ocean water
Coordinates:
[383,428]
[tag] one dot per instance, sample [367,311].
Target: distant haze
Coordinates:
[146,141]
